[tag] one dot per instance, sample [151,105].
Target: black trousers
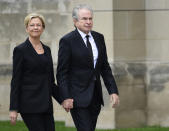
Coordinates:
[39,121]
[85,119]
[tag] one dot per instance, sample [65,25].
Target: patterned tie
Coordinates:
[89,47]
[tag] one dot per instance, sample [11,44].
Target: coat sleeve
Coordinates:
[16,79]
[106,72]
[64,60]
[55,89]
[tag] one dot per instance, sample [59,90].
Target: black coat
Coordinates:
[33,82]
[75,69]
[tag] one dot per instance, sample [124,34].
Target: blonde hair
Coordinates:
[34,15]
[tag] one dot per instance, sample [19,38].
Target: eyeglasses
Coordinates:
[86,19]
[35,25]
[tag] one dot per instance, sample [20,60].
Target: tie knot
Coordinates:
[87,36]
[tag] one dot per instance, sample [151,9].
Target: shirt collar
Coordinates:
[83,35]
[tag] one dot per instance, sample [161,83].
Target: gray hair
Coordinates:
[75,12]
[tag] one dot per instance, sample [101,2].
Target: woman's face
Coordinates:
[35,28]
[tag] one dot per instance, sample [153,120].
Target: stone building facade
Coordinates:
[137,39]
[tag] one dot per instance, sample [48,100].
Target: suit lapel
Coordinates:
[79,40]
[48,55]
[32,51]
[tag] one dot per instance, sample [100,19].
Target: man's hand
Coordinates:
[67,104]
[114,98]
[13,116]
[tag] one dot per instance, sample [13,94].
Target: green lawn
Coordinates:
[6,126]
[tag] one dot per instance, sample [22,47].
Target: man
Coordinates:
[82,58]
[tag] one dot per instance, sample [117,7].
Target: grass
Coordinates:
[60,126]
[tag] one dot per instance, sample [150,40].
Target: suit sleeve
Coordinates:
[106,72]
[64,56]
[16,79]
[55,89]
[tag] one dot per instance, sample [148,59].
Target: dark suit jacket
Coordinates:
[33,82]
[75,69]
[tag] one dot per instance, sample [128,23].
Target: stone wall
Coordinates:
[141,58]
[130,65]
[137,39]
[157,44]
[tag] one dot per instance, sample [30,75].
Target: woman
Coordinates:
[33,83]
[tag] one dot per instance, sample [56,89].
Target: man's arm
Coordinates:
[106,72]
[108,78]
[64,60]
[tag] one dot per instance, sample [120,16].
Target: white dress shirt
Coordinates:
[93,45]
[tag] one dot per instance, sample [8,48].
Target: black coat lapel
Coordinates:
[79,40]
[32,51]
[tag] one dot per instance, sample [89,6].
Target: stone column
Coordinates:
[130,65]
[157,45]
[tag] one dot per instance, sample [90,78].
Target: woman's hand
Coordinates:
[13,116]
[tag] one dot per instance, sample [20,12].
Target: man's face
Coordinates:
[85,21]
